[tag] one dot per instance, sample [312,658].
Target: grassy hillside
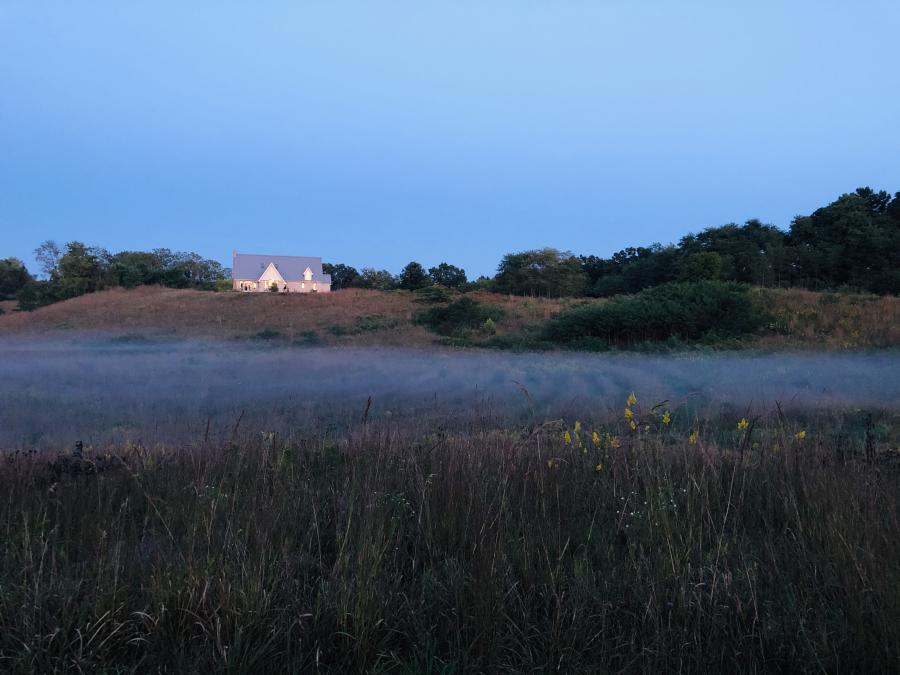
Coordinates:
[363,317]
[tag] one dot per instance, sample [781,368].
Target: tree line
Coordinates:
[77,269]
[852,243]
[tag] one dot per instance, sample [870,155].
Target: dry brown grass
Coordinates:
[833,320]
[351,316]
[160,311]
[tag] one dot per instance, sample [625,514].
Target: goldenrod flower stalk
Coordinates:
[595,439]
[743,424]
[694,437]
[667,417]
[632,399]
[567,437]
[628,413]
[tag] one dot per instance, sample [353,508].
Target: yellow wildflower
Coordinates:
[628,413]
[615,442]
[577,426]
[632,425]
[800,435]
[694,437]
[567,437]
[595,439]
[600,467]
[667,417]
[632,399]
[743,424]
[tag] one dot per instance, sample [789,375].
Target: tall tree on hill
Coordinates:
[413,277]
[631,270]
[853,242]
[48,255]
[752,253]
[448,275]
[13,278]
[80,270]
[379,280]
[342,276]
[543,272]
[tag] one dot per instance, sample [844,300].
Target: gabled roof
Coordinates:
[290,267]
[271,272]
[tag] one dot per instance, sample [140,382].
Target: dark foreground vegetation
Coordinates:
[664,542]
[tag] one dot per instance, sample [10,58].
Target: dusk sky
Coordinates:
[375,133]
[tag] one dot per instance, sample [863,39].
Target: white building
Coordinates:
[287,273]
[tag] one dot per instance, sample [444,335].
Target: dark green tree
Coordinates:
[448,275]
[13,277]
[854,242]
[413,277]
[706,266]
[544,272]
[379,280]
[342,276]
[79,270]
[752,253]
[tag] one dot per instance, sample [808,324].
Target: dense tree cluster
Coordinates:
[78,269]
[412,277]
[852,244]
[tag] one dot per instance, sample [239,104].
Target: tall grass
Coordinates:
[480,545]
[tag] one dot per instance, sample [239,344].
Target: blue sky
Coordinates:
[381,132]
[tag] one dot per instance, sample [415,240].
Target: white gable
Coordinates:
[271,274]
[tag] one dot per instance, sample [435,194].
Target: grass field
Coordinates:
[471,544]
[441,528]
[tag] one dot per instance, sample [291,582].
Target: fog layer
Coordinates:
[100,392]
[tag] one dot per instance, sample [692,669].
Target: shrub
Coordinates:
[308,338]
[268,334]
[373,322]
[432,295]
[464,314]
[338,330]
[684,311]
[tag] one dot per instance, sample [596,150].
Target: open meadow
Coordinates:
[191,506]
[449,337]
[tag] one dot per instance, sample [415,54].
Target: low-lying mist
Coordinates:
[99,392]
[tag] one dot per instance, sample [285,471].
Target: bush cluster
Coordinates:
[689,311]
[457,317]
